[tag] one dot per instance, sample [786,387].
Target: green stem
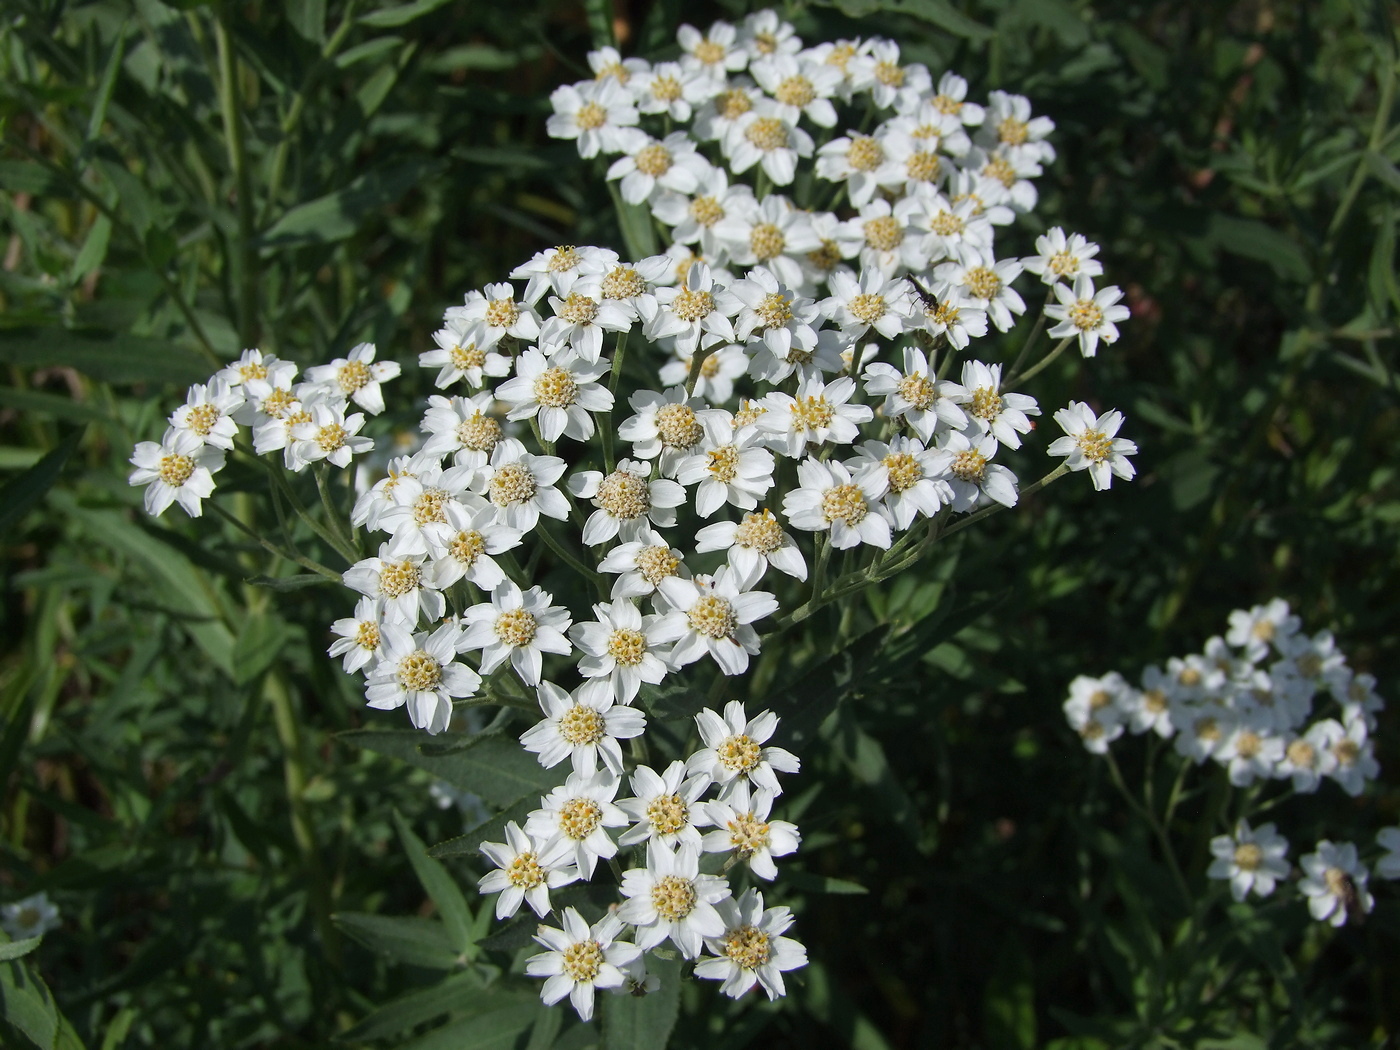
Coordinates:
[268,545]
[1014,372]
[697,364]
[567,556]
[1158,829]
[1044,363]
[619,353]
[337,520]
[1029,490]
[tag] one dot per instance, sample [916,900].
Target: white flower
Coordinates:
[947,311]
[752,949]
[598,113]
[669,424]
[1003,415]
[670,88]
[559,268]
[830,499]
[1254,630]
[713,615]
[1091,444]
[1308,758]
[1354,753]
[1251,860]
[928,404]
[579,321]
[419,670]
[800,86]
[719,369]
[328,435]
[178,469]
[1359,700]
[208,413]
[908,478]
[266,385]
[643,564]
[379,499]
[670,898]
[713,52]
[773,315]
[464,426]
[1010,129]
[1149,707]
[1087,314]
[734,749]
[817,415]
[766,36]
[742,827]
[874,301]
[1012,171]
[417,519]
[608,62]
[520,485]
[357,377]
[560,391]
[620,649]
[580,959]
[648,165]
[358,637]
[1388,866]
[666,807]
[950,226]
[458,358]
[1315,659]
[1059,257]
[950,97]
[886,236]
[485,318]
[753,544]
[33,916]
[517,625]
[890,84]
[1093,710]
[699,217]
[526,870]
[732,100]
[1250,751]
[578,814]
[972,475]
[732,468]
[860,161]
[1202,729]
[761,136]
[467,545]
[1335,883]
[986,283]
[584,727]
[406,590]
[627,501]
[698,313]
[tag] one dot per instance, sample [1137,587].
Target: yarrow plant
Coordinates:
[711,441]
[1280,713]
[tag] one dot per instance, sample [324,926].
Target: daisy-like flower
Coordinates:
[417,521]
[838,54]
[1359,700]
[699,218]
[930,128]
[887,237]
[420,670]
[621,649]
[458,358]
[608,62]
[752,950]
[916,394]
[520,485]
[265,383]
[836,244]
[581,318]
[666,807]
[743,828]
[698,313]
[1255,630]
[734,749]
[731,101]
[179,469]
[1086,314]
[1060,257]
[860,161]
[208,413]
[774,235]
[765,36]
[732,469]
[1250,751]
[1013,171]
[670,898]
[672,89]
[972,475]
[718,371]
[1316,659]
[950,226]
[1388,866]
[873,301]
[519,626]
[950,96]
[466,547]
[559,268]
[580,959]
[889,83]
[830,499]
[1202,729]
[466,427]
[1334,880]
[800,86]
[714,52]
[948,312]
[761,136]
[909,478]
[358,637]
[628,500]
[560,391]
[753,544]
[669,425]
[578,813]
[1010,129]
[485,318]
[526,870]
[1003,415]
[599,114]
[820,413]
[1354,753]
[328,435]
[1308,758]
[33,916]
[714,615]
[584,727]
[357,377]
[986,283]
[273,430]
[406,590]
[643,564]
[1091,444]
[1093,710]
[648,166]
[1149,708]
[1250,859]
[379,499]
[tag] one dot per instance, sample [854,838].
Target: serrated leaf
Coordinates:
[407,938]
[644,1022]
[493,766]
[439,885]
[24,492]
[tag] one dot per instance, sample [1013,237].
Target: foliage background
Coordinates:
[182,180]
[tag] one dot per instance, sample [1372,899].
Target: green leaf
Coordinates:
[338,215]
[93,251]
[490,830]
[103,99]
[113,357]
[1256,240]
[289,583]
[308,18]
[259,641]
[407,938]
[496,1030]
[18,949]
[1383,169]
[56,405]
[26,1004]
[23,176]
[458,994]
[805,880]
[942,14]
[22,493]
[388,17]
[493,765]
[439,884]
[644,1022]
[638,234]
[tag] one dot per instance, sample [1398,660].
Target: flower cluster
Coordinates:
[1267,702]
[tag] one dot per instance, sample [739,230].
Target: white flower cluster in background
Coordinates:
[33,916]
[1267,702]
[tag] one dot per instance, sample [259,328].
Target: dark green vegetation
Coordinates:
[178,182]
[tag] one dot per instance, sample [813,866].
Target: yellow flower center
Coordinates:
[1085,315]
[579,818]
[919,391]
[582,961]
[845,503]
[747,946]
[398,578]
[1247,745]
[352,375]
[1206,729]
[511,484]
[884,233]
[1248,856]
[706,211]
[904,470]
[1000,168]
[623,282]
[465,358]
[668,814]
[867,307]
[1063,264]
[796,91]
[175,469]
[739,754]
[889,74]
[627,646]
[277,403]
[774,310]
[693,306]
[201,419]
[657,563]
[516,627]
[1013,132]
[666,89]
[948,105]
[564,259]
[946,224]
[673,898]
[759,531]
[765,42]
[1154,701]
[982,283]
[525,872]
[252,370]
[724,463]
[581,725]
[624,495]
[767,241]
[733,104]
[1096,446]
[677,426]
[331,437]
[420,672]
[578,309]
[367,635]
[827,257]
[479,433]
[709,52]
[1346,751]
[713,617]
[467,546]
[969,465]
[654,160]
[555,388]
[986,403]
[864,153]
[923,167]
[768,134]
[747,834]
[502,313]
[591,116]
[431,506]
[615,70]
